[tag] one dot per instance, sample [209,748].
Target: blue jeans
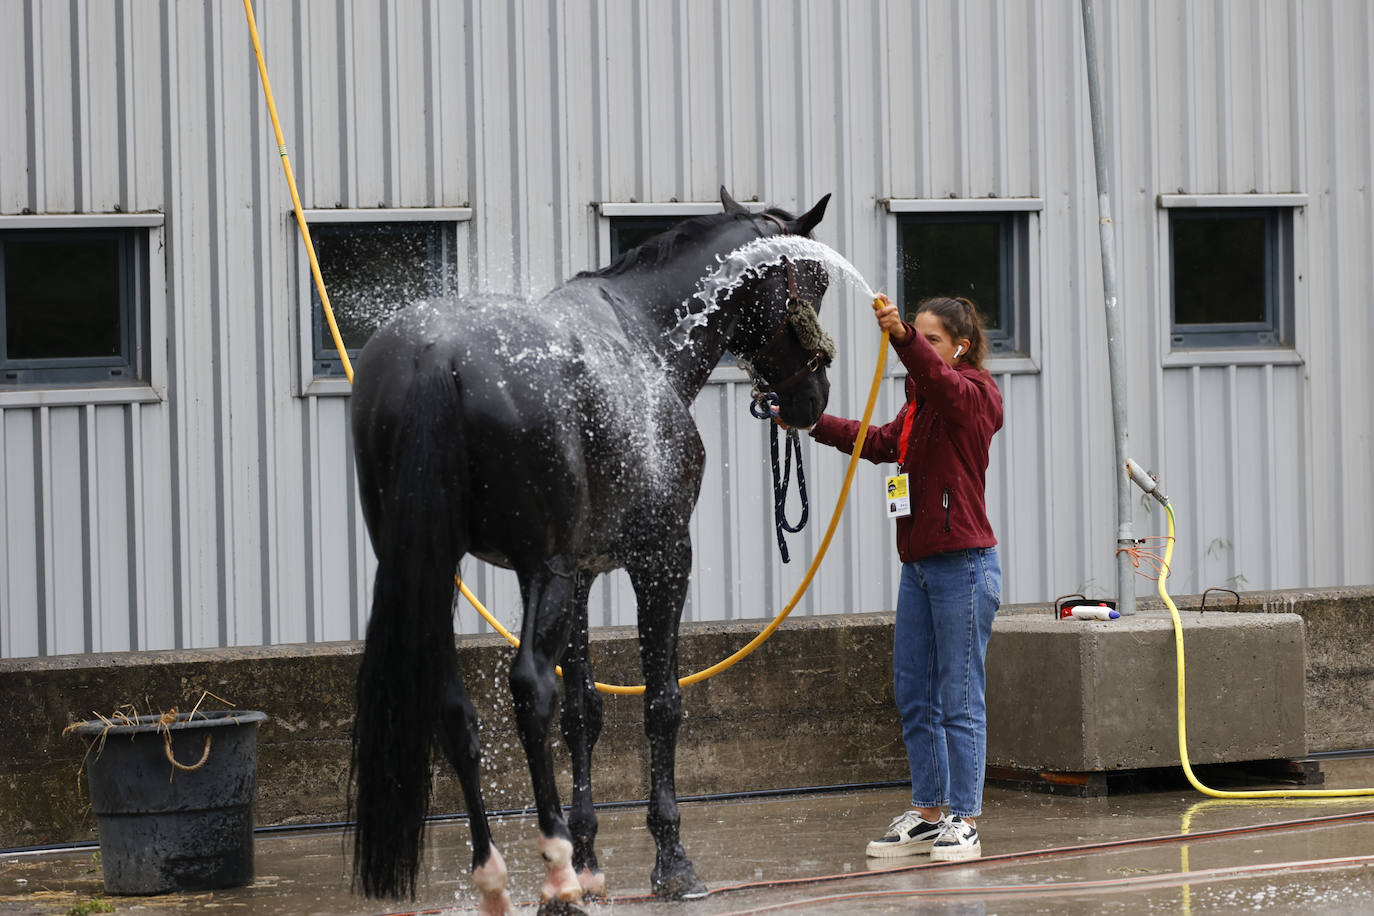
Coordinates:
[945,606]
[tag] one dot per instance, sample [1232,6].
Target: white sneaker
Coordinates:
[958,841]
[907,835]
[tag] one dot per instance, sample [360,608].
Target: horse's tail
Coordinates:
[417,476]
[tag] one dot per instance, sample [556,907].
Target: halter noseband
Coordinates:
[820,359]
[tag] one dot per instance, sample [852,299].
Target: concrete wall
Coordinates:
[813,706]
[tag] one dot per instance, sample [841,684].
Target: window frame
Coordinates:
[1285,272]
[308,383]
[1021,261]
[144,295]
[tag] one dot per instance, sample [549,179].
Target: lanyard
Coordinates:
[906,432]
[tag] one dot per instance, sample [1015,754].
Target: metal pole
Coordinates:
[1116,350]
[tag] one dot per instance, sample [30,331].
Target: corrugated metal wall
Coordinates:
[218,508]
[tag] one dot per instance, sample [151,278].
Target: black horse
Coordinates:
[554,438]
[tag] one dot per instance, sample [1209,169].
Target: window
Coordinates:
[978,249]
[374,263]
[632,231]
[1231,277]
[74,304]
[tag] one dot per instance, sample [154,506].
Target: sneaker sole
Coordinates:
[956,853]
[899,850]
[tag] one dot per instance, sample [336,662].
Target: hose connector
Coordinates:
[1147,481]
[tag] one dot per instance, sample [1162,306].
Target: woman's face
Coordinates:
[929,326]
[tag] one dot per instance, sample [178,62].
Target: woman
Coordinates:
[951,581]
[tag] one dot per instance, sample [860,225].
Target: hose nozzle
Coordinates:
[1147,481]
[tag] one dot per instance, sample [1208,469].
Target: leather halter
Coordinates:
[818,358]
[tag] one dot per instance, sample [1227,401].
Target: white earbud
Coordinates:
[957,350]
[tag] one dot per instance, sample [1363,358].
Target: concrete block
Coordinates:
[1088,696]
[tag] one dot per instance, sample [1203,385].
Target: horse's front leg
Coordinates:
[547,593]
[660,588]
[581,727]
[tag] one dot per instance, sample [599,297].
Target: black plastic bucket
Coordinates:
[183,826]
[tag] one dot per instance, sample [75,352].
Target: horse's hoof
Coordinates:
[496,905]
[681,885]
[593,883]
[561,908]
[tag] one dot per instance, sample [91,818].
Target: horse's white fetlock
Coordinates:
[490,879]
[560,881]
[593,882]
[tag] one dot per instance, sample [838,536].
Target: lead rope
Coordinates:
[781,482]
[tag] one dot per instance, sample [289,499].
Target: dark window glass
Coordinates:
[370,271]
[955,259]
[632,231]
[68,301]
[980,256]
[1228,279]
[1219,269]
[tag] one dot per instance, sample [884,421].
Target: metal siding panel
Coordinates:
[156,608]
[15,110]
[659,96]
[622,79]
[21,562]
[1289,451]
[54,185]
[369,132]
[321,109]
[100,62]
[705,102]
[540,151]
[712,544]
[64,509]
[334,529]
[1328,394]
[741,97]
[1248,466]
[1350,182]
[495,137]
[109,457]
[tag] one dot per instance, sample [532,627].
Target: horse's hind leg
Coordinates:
[547,592]
[461,743]
[660,588]
[581,727]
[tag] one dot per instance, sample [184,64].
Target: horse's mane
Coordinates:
[660,248]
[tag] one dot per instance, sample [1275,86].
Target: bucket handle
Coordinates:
[205,755]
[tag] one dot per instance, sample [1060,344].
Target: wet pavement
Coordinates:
[1166,852]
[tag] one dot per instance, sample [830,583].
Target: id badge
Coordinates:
[898,497]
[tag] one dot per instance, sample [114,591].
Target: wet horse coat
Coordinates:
[554,438]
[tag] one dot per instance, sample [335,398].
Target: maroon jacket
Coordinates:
[957,412]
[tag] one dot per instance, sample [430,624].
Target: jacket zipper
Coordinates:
[944,501]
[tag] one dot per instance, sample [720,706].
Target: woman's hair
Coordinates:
[960,319]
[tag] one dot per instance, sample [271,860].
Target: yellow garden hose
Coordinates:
[295,196]
[472,599]
[1182,720]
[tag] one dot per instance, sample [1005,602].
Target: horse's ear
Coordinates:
[729,203]
[803,224]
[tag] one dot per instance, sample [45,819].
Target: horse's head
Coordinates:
[778,336]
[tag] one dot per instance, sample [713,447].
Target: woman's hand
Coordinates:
[889,319]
